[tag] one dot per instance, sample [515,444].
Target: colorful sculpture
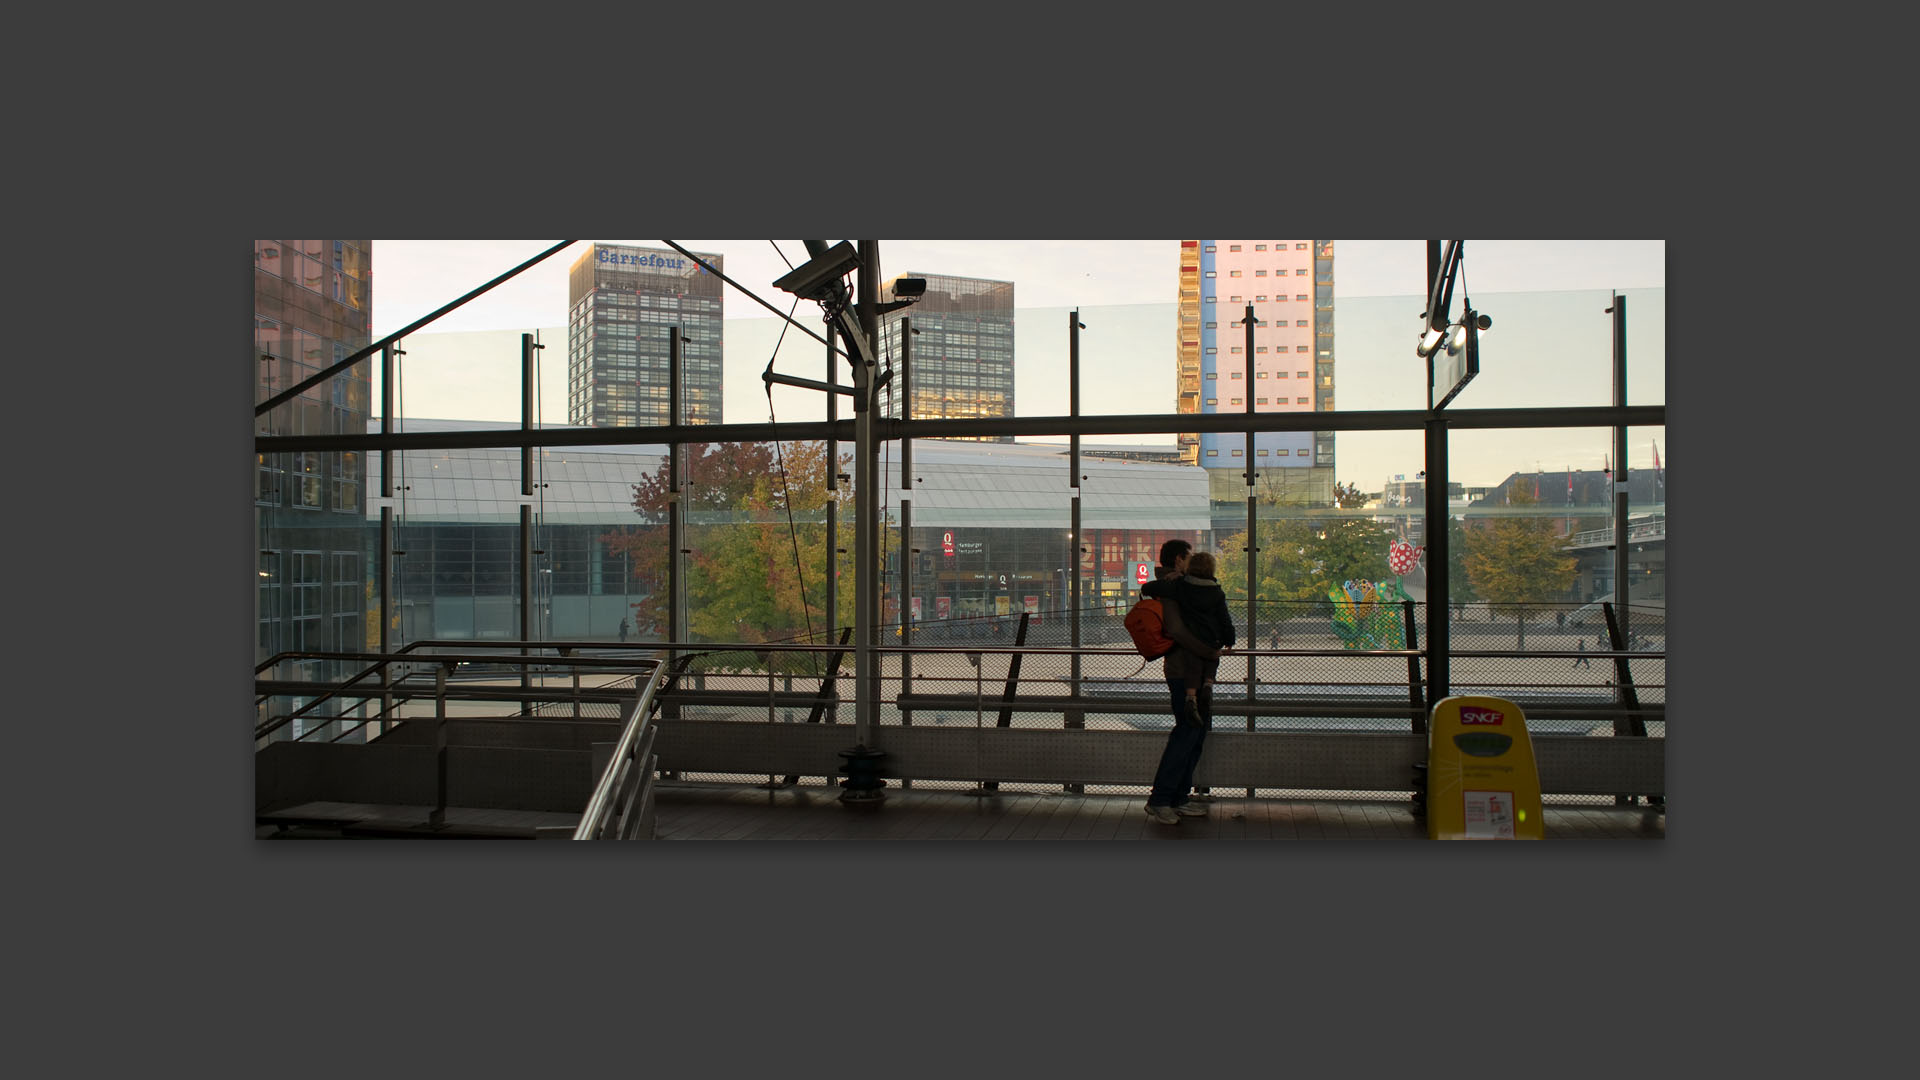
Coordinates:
[1367,614]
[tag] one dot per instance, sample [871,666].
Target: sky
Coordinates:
[1546,348]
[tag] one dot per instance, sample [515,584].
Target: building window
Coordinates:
[1259,299]
[1326,380]
[267,489]
[269,601]
[1238,401]
[1299,348]
[1259,401]
[1235,299]
[1210,247]
[306,479]
[1299,247]
[1300,401]
[1213,401]
[1233,375]
[1302,374]
[1212,375]
[1302,272]
[1261,453]
[1259,273]
[1300,296]
[1210,273]
[1262,375]
[346,482]
[1233,247]
[1236,453]
[1236,348]
[1303,452]
[1299,322]
[1213,326]
[1211,299]
[1233,273]
[1211,350]
[1259,247]
[1213,453]
[1260,349]
[309,577]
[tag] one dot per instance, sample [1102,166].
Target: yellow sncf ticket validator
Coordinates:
[1482,783]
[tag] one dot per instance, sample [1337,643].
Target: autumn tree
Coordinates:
[1305,553]
[753,573]
[1518,559]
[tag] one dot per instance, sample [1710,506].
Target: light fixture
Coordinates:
[1429,341]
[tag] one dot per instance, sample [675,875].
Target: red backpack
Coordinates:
[1145,623]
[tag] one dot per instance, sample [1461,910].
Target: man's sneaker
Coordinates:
[1190,809]
[1165,815]
[1193,710]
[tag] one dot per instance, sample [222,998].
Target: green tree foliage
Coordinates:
[1518,559]
[1304,554]
[743,582]
[1459,585]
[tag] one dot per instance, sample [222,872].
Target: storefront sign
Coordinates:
[942,607]
[1142,572]
[946,543]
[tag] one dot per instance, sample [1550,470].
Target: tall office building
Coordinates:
[621,301]
[963,352]
[1289,284]
[311,310]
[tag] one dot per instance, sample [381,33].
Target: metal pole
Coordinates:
[1074,326]
[908,552]
[866,503]
[833,509]
[676,510]
[526,509]
[1437,585]
[1621,476]
[526,590]
[1253,546]
[386,420]
[386,609]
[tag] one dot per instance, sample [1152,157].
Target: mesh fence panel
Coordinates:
[968,669]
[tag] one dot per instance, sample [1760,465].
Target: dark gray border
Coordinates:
[857,943]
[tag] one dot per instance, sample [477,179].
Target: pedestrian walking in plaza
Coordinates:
[623,629]
[1581,660]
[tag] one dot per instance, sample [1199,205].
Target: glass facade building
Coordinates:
[962,353]
[311,309]
[1289,286]
[621,301]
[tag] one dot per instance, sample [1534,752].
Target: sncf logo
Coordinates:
[1480,716]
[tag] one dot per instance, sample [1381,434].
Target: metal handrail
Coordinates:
[410,653]
[624,765]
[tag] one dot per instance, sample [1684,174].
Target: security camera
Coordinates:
[909,286]
[815,278]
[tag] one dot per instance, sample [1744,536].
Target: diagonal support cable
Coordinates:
[320,376]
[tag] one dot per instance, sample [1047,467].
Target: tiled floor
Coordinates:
[726,812]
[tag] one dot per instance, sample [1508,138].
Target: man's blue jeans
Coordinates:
[1174,777]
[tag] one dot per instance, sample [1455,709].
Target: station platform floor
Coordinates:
[702,811]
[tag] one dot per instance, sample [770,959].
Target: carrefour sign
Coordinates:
[647,262]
